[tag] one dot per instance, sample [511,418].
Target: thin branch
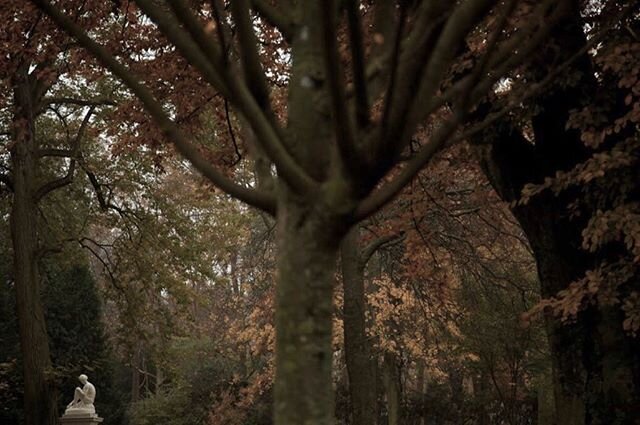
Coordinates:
[57,153]
[105,265]
[374,246]
[80,102]
[264,201]
[231,132]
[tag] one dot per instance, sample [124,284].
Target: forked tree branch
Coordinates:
[380,197]
[264,201]
[68,178]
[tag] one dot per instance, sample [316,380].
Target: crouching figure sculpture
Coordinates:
[84,397]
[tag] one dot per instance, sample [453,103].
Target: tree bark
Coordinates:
[360,367]
[40,394]
[307,251]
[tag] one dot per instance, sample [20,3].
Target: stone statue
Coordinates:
[83,398]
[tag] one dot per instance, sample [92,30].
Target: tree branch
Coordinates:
[66,180]
[457,26]
[381,196]
[80,102]
[345,132]
[264,201]
[275,17]
[57,153]
[375,245]
[204,55]
[249,55]
[241,96]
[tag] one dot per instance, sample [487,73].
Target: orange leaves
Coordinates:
[619,224]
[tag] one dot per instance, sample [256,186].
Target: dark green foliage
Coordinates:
[197,376]
[73,312]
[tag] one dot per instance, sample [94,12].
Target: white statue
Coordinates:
[83,398]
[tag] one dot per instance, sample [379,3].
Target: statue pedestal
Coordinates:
[72,417]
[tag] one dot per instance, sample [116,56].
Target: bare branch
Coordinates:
[403,121]
[80,102]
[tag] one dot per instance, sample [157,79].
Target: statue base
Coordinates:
[78,417]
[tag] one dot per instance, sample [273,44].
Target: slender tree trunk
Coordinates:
[136,362]
[391,380]
[420,387]
[40,395]
[307,252]
[361,371]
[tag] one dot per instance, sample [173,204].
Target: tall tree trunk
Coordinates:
[360,367]
[307,252]
[391,380]
[40,395]
[420,388]
[136,363]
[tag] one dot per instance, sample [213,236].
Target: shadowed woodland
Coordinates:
[255,212]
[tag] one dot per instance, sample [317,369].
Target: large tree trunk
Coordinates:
[40,396]
[360,367]
[307,252]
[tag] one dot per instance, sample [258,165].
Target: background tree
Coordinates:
[563,142]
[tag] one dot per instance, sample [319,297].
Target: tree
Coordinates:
[564,149]
[34,56]
[339,142]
